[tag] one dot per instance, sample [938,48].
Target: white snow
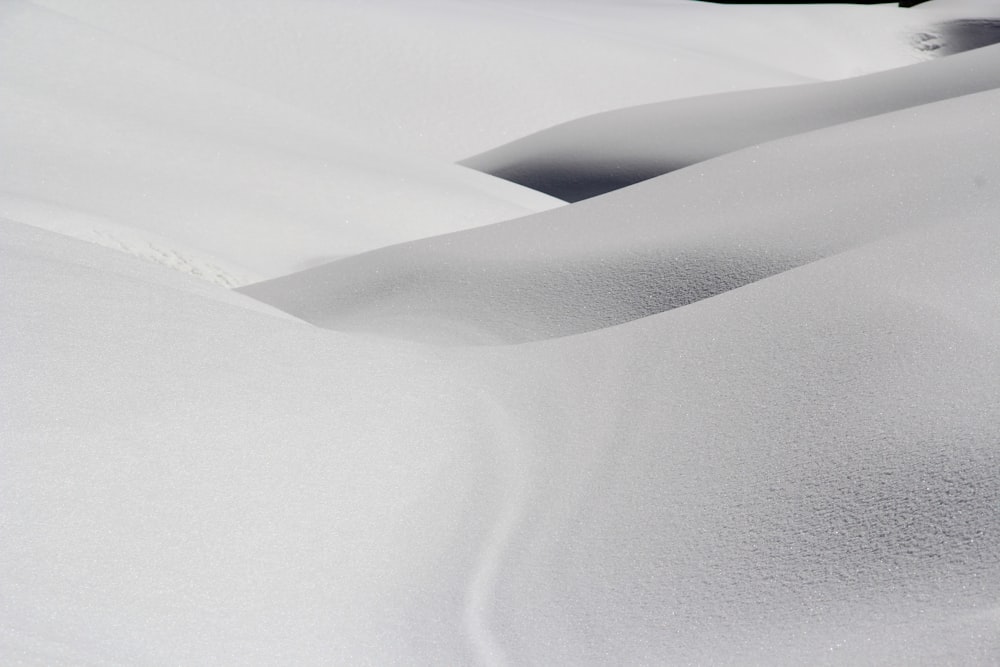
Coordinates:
[746,412]
[137,142]
[596,154]
[450,78]
[670,241]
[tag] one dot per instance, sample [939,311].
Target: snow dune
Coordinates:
[243,142]
[596,154]
[795,471]
[670,241]
[450,78]
[810,458]
[131,149]
[752,411]
[186,479]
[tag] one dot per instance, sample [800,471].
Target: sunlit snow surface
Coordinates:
[744,412]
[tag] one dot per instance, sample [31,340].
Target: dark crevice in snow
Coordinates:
[951,37]
[579,180]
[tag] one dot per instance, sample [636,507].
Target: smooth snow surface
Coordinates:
[597,154]
[451,78]
[746,412]
[232,184]
[670,241]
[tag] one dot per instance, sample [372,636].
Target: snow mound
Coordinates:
[597,154]
[242,142]
[130,148]
[753,417]
[524,66]
[670,241]
[159,506]
[797,471]
[809,457]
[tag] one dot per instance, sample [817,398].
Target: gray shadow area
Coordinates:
[578,180]
[958,36]
[426,299]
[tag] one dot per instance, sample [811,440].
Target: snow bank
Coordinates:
[670,241]
[798,470]
[593,155]
[794,464]
[188,480]
[242,142]
[126,147]
[450,78]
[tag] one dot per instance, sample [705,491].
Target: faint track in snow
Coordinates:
[140,243]
[168,257]
[514,481]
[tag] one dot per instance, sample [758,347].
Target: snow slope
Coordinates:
[596,154]
[798,470]
[752,413]
[670,241]
[450,78]
[242,142]
[134,145]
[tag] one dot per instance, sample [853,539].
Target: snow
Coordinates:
[670,241]
[745,412]
[388,71]
[139,145]
[597,154]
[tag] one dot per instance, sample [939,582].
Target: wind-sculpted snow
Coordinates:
[810,458]
[451,78]
[668,242]
[597,154]
[131,143]
[796,471]
[753,411]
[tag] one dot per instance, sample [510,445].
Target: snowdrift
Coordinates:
[801,466]
[130,149]
[449,78]
[746,412]
[598,154]
[670,241]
